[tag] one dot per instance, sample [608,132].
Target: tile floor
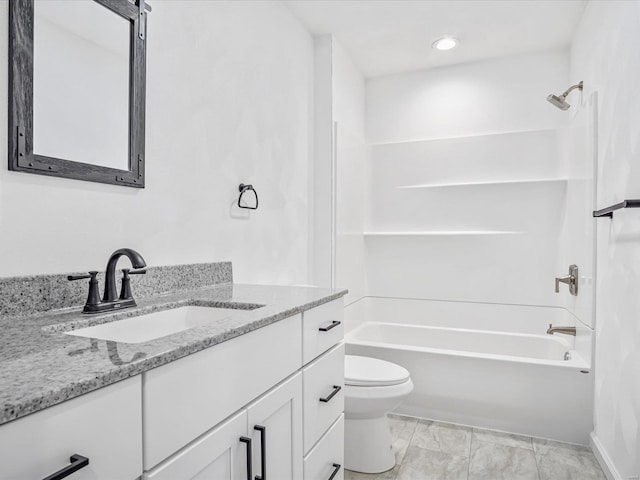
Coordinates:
[427,450]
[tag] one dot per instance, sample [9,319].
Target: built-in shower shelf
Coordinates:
[485,183]
[443,233]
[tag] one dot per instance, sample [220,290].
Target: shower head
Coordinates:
[561,101]
[558,101]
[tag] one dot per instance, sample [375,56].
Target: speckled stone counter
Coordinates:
[21,296]
[41,366]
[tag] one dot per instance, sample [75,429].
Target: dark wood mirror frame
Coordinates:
[21,156]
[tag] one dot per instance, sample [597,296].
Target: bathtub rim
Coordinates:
[366,299]
[577,362]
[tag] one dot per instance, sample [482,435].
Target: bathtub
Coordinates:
[483,365]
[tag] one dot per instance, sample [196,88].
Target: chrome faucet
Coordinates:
[110,300]
[566,330]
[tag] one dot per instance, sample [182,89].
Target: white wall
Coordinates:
[349,92]
[577,238]
[351,160]
[467,183]
[493,96]
[229,100]
[340,165]
[605,55]
[322,185]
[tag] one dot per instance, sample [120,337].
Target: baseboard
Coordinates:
[603,459]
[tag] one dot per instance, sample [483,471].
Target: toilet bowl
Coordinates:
[373,388]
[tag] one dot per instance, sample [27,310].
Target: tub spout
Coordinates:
[566,330]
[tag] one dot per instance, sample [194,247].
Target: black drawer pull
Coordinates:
[334,324]
[247,441]
[263,452]
[336,389]
[336,467]
[77,462]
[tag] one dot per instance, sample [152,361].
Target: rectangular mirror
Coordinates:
[77,89]
[81,67]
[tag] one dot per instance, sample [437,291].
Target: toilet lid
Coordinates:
[372,372]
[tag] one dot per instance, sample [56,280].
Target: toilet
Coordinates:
[373,388]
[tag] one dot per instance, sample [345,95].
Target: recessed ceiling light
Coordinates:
[445,43]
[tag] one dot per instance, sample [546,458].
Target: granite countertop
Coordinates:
[41,366]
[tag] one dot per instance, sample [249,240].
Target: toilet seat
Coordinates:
[373,372]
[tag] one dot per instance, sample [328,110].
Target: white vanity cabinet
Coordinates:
[268,433]
[323,392]
[104,426]
[290,378]
[267,404]
[275,427]
[186,398]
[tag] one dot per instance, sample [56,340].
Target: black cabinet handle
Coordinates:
[263,452]
[336,389]
[247,441]
[336,469]
[334,324]
[76,463]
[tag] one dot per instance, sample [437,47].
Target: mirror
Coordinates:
[80,67]
[77,87]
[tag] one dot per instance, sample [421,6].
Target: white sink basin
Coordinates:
[155,325]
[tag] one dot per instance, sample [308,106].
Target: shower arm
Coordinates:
[570,89]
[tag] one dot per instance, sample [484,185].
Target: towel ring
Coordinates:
[245,188]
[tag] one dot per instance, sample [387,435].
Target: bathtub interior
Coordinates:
[478,317]
[524,348]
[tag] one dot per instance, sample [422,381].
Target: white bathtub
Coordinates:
[490,366]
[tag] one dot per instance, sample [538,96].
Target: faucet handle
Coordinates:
[91,275]
[566,279]
[125,291]
[127,271]
[93,298]
[571,280]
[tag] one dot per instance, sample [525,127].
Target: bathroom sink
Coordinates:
[155,325]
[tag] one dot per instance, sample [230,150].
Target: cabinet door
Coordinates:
[188,397]
[275,424]
[218,455]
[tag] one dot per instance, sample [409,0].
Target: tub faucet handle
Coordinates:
[566,279]
[571,280]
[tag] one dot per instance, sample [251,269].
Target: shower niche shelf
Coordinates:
[486,183]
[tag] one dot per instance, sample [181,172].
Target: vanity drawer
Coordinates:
[323,394]
[327,456]
[104,426]
[187,397]
[320,329]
